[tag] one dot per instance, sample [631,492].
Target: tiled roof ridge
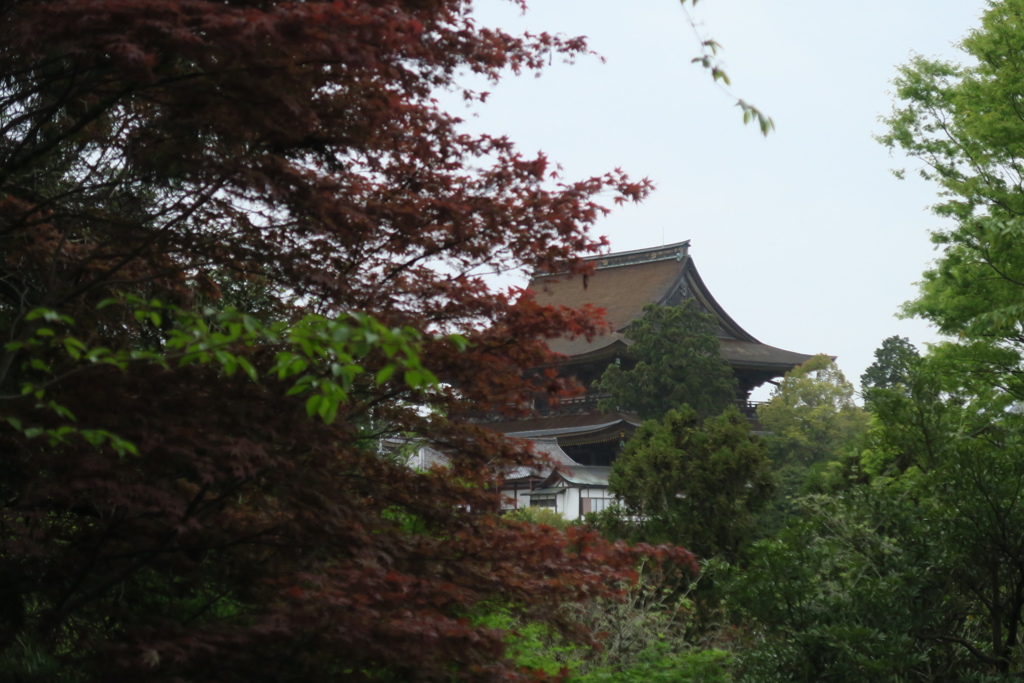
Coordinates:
[666,252]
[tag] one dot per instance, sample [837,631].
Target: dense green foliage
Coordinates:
[893,550]
[538,515]
[896,549]
[809,421]
[646,637]
[811,415]
[914,561]
[964,123]
[908,562]
[894,362]
[698,483]
[674,359]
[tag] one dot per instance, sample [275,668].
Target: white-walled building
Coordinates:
[562,485]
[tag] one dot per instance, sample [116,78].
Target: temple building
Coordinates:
[621,284]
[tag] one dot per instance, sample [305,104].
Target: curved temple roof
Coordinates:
[623,283]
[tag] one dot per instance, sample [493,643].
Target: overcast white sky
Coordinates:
[804,237]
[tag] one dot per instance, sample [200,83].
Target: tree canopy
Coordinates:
[910,566]
[811,414]
[913,562]
[964,124]
[698,483]
[220,220]
[674,360]
[894,362]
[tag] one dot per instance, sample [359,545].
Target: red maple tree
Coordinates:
[247,163]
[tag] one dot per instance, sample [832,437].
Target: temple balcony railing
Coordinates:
[749,408]
[588,403]
[571,405]
[543,407]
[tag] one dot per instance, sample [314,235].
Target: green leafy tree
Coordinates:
[915,570]
[698,483]
[919,568]
[964,123]
[894,362]
[973,521]
[811,415]
[539,515]
[834,596]
[646,637]
[674,359]
[912,418]
[811,420]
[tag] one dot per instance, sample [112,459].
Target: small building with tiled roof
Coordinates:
[558,482]
[517,483]
[574,491]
